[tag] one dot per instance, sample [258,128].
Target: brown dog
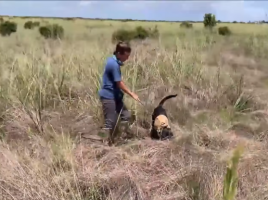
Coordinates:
[160,125]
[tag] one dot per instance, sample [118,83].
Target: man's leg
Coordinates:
[124,115]
[110,118]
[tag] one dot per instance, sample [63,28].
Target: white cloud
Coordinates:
[85,3]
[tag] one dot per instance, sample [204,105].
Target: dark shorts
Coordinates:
[111,110]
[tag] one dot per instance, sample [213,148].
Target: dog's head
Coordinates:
[162,127]
[160,122]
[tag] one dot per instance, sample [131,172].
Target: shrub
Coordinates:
[154,32]
[138,33]
[6,28]
[31,25]
[28,25]
[141,33]
[224,30]
[209,20]
[123,35]
[186,25]
[1,20]
[53,31]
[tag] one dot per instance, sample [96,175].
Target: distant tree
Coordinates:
[209,20]
[234,22]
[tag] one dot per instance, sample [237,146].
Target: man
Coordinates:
[111,93]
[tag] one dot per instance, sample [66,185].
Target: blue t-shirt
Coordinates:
[111,75]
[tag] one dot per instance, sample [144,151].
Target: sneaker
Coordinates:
[104,133]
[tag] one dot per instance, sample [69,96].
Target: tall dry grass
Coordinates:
[49,97]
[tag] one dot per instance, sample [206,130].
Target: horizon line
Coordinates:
[120,19]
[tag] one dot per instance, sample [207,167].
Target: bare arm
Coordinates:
[117,78]
[123,87]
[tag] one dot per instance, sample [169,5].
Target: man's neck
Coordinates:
[118,60]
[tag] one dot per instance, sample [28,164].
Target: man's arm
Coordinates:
[123,87]
[118,79]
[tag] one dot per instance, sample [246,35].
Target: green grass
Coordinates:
[231,177]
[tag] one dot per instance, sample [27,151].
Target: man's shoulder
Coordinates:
[111,61]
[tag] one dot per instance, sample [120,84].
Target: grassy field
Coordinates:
[49,97]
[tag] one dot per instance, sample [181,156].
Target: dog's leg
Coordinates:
[159,133]
[154,135]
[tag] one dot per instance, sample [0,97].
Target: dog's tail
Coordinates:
[166,98]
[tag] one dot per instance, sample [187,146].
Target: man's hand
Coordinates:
[135,97]
[122,86]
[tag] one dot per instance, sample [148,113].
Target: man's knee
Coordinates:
[109,112]
[125,115]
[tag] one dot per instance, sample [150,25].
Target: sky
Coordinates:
[141,10]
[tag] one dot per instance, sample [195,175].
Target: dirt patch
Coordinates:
[241,130]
